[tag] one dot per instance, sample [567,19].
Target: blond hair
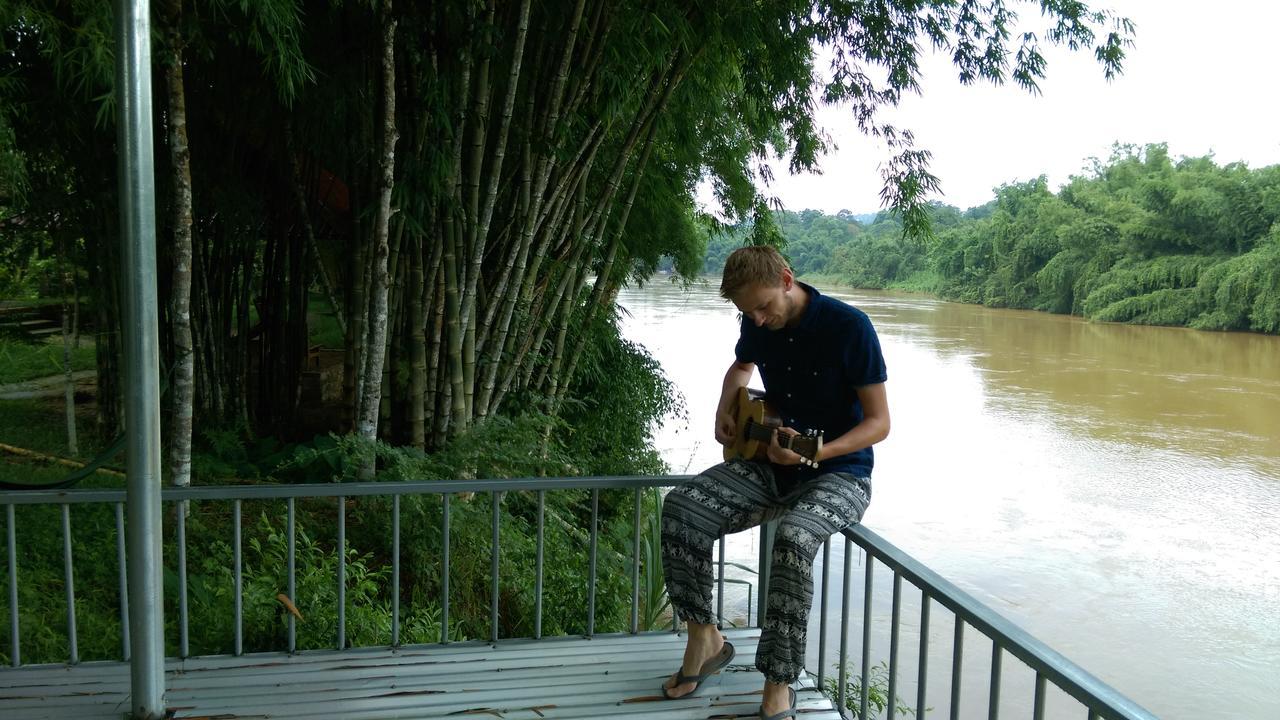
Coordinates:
[758,265]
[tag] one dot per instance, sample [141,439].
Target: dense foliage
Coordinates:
[535,157]
[1140,238]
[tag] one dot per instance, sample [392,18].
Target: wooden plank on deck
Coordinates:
[558,678]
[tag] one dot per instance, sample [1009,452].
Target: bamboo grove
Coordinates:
[468,184]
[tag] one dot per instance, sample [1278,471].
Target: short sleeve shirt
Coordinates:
[811,373]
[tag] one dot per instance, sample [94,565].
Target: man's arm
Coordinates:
[738,376]
[873,428]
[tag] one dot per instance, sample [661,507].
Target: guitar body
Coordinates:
[756,422]
[752,412]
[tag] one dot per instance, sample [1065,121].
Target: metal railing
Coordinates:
[236,496]
[1099,699]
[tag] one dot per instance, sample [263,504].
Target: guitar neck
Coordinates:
[800,444]
[761,433]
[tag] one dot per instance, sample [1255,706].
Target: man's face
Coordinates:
[767,307]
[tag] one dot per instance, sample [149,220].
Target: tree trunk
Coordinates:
[69,395]
[368,424]
[417,298]
[183,390]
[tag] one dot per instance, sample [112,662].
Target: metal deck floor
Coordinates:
[604,677]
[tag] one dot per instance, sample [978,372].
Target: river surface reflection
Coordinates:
[1115,490]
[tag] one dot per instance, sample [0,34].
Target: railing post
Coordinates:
[15,655]
[767,532]
[141,354]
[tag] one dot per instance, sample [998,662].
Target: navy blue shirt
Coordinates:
[811,372]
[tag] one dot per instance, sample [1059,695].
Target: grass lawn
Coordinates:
[21,361]
[39,425]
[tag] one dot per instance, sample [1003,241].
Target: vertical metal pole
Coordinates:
[395,570]
[444,566]
[15,657]
[923,678]
[843,674]
[141,328]
[342,573]
[866,636]
[184,634]
[124,582]
[291,521]
[537,582]
[822,614]
[720,584]
[957,660]
[495,563]
[68,575]
[893,645]
[767,531]
[993,698]
[1038,708]
[635,567]
[591,563]
[238,573]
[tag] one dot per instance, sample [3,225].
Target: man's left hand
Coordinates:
[779,455]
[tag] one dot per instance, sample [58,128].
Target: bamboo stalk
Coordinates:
[23,452]
[368,419]
[183,395]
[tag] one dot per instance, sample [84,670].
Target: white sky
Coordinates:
[1200,77]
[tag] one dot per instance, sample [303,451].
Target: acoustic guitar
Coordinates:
[756,422]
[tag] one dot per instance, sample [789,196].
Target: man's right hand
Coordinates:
[726,427]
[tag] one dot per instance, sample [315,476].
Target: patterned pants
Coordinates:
[737,495]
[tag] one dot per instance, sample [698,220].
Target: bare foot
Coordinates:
[703,645]
[777,697]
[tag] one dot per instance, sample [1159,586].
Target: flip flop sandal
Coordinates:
[790,712]
[717,663]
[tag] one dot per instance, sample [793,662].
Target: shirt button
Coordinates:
[788,394]
[788,367]
[815,372]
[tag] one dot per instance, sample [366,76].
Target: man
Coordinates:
[822,369]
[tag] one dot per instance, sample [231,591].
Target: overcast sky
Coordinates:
[1201,77]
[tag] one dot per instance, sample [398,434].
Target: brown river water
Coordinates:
[1112,489]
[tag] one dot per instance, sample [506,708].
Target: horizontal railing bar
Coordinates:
[360,489]
[1073,679]
[740,566]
